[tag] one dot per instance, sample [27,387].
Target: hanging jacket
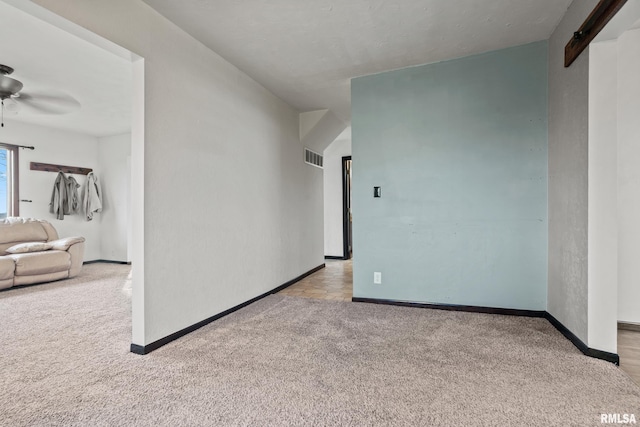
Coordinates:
[91,197]
[59,196]
[72,200]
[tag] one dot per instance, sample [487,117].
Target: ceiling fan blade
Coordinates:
[49,103]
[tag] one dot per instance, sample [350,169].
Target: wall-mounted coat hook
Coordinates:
[48,167]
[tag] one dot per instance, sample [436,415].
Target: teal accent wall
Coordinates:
[460,151]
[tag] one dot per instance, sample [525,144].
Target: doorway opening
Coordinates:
[347,218]
[106,134]
[335,281]
[614,61]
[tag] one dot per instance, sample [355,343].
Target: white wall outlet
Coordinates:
[377,278]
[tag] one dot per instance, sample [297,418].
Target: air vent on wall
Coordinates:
[312,158]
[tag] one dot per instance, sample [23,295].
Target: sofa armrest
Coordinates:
[66,243]
[75,247]
[76,250]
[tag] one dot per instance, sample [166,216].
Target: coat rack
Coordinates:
[47,167]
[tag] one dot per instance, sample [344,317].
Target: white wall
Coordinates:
[614,179]
[567,288]
[628,133]
[230,209]
[603,197]
[114,155]
[333,222]
[58,147]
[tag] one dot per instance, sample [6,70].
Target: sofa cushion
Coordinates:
[40,278]
[22,248]
[63,244]
[31,231]
[7,267]
[52,234]
[6,284]
[41,262]
[13,232]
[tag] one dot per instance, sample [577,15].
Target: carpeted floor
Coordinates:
[284,361]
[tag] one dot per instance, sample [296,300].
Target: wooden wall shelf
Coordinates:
[48,167]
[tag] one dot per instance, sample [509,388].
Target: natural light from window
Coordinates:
[8,180]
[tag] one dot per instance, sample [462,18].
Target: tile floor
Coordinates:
[334,282]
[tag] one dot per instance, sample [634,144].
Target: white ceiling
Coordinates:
[50,61]
[306,51]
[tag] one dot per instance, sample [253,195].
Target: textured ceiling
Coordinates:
[50,61]
[306,51]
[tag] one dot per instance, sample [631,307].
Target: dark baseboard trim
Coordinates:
[567,333]
[628,326]
[291,282]
[334,257]
[106,261]
[586,350]
[146,349]
[454,307]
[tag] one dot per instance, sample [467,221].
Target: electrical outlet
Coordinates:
[377,278]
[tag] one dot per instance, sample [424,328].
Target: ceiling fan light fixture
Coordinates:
[10,106]
[8,86]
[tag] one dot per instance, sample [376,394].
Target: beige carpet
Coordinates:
[291,361]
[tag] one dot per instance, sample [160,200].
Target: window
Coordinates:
[8,181]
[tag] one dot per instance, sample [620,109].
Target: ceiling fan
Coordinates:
[14,100]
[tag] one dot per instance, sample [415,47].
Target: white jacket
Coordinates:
[91,196]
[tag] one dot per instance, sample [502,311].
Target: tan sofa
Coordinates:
[31,252]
